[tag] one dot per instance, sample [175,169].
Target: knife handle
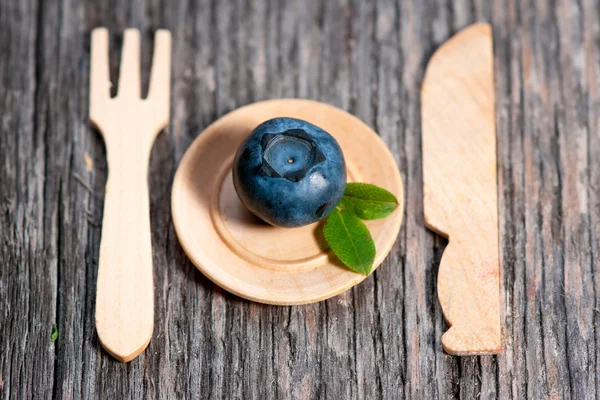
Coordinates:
[467,272]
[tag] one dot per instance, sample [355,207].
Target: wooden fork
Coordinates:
[129,125]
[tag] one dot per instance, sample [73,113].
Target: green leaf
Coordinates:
[350,240]
[54,335]
[368,201]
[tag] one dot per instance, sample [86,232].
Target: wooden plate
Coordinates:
[246,256]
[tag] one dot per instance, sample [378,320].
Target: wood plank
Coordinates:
[376,341]
[28,259]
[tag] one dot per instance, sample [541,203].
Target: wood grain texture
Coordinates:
[250,258]
[379,340]
[129,124]
[460,190]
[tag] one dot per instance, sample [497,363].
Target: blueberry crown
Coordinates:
[289,154]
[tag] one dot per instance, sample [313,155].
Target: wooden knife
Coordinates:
[460,188]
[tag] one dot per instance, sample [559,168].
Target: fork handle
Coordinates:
[125,295]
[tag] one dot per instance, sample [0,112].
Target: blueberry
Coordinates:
[289,172]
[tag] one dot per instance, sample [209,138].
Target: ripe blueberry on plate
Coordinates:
[289,172]
[292,173]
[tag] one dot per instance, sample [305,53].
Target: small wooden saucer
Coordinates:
[250,258]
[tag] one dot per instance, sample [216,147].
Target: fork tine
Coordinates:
[160,79]
[99,73]
[129,74]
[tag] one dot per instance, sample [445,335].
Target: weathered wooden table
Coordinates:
[378,340]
